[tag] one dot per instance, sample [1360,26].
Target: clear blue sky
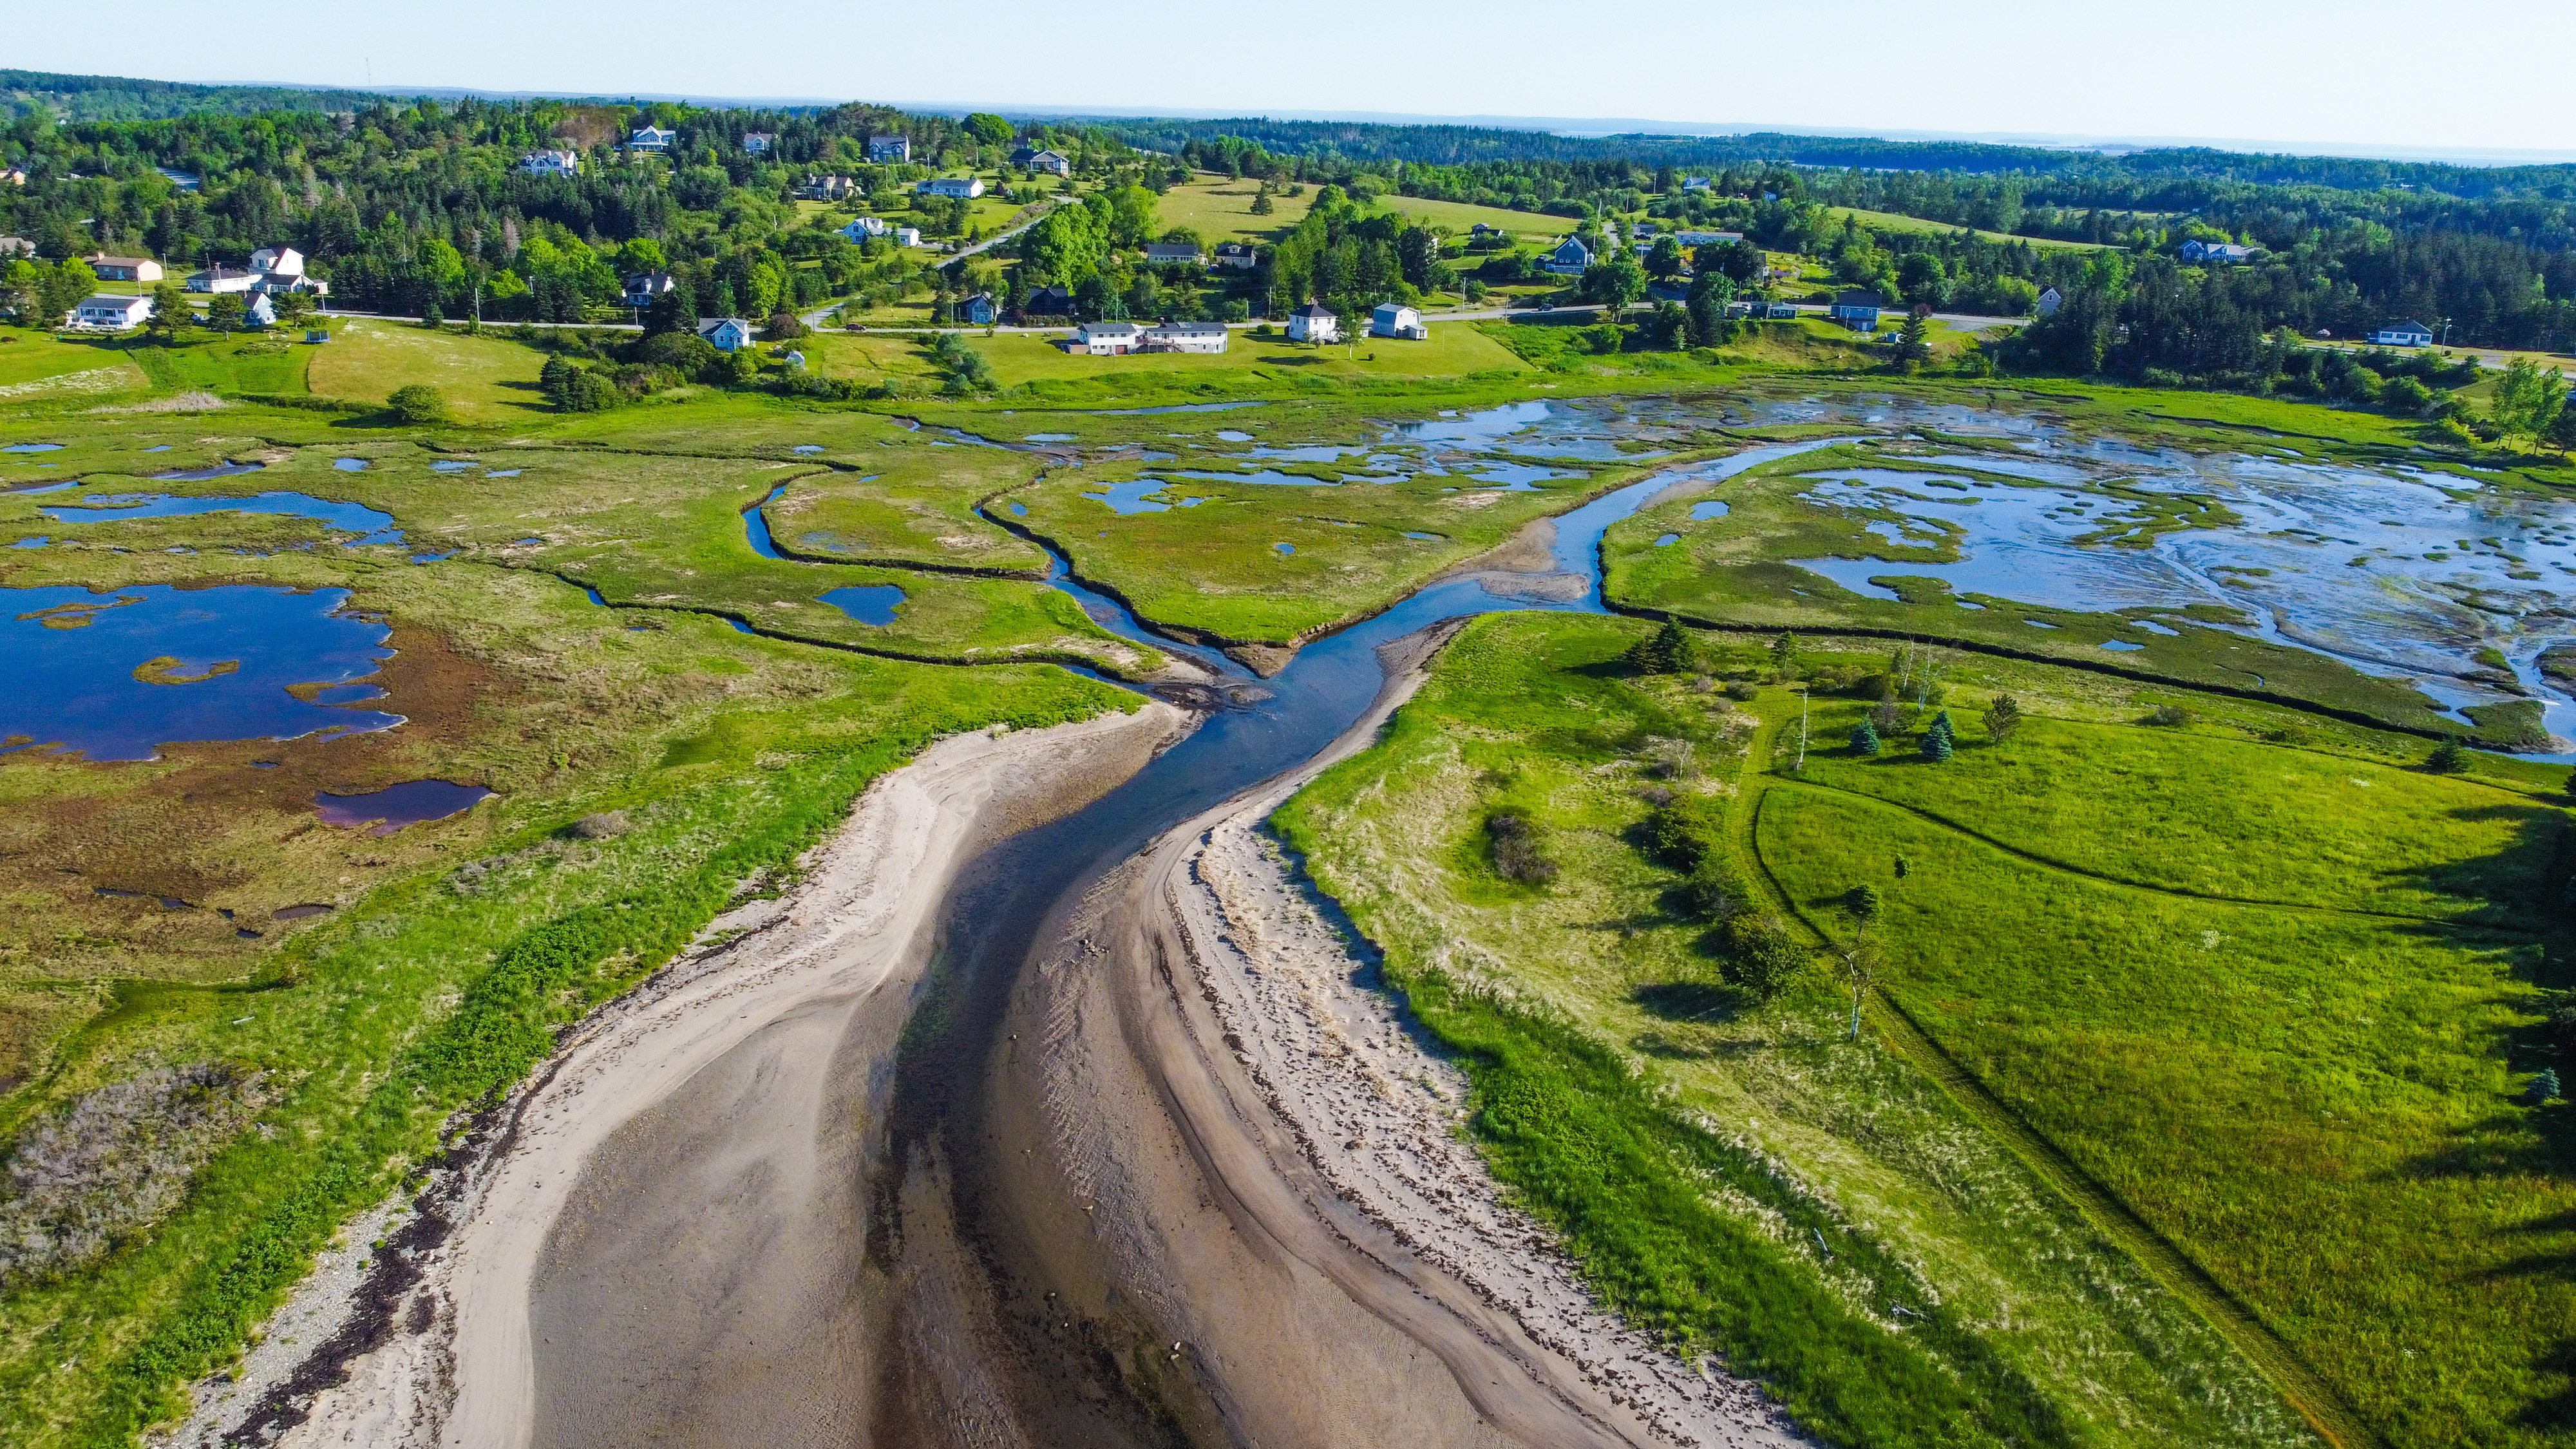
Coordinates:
[2400,73]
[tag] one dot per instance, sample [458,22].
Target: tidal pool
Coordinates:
[2385,570]
[868,603]
[372,525]
[200,475]
[390,809]
[115,676]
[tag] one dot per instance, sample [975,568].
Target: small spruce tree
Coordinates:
[1864,738]
[2543,1088]
[2448,758]
[1940,741]
[2003,716]
[1666,651]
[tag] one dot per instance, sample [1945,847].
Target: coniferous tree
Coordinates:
[1864,738]
[1940,742]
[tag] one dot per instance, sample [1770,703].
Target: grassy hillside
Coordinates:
[2311,1099]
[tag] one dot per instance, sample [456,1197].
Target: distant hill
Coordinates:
[123,98]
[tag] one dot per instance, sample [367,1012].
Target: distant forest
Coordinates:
[417,205]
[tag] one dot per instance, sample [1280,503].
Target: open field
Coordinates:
[1888,221]
[2288,1092]
[488,381]
[1738,1176]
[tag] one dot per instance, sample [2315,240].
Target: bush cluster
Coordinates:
[114,1160]
[1518,852]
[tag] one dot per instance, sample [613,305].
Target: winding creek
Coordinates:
[951,1168]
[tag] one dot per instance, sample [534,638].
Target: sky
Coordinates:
[2468,75]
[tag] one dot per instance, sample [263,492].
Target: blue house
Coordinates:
[1856,310]
[1570,259]
[729,334]
[978,310]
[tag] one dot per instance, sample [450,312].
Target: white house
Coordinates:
[278,261]
[260,313]
[1394,319]
[220,278]
[889,150]
[2403,334]
[728,334]
[1053,163]
[1166,254]
[1108,339]
[1186,337]
[551,163]
[114,313]
[907,236]
[2048,303]
[965,187]
[1313,323]
[124,269]
[758,142]
[1239,255]
[651,138]
[865,227]
[1706,238]
[1692,184]
[1570,259]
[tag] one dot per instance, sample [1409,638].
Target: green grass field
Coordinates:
[488,381]
[1888,221]
[2315,1104]
[1741,1178]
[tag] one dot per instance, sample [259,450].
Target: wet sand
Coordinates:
[657,1241]
[1222,1128]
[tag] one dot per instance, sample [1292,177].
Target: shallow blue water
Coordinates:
[1668,540]
[1136,495]
[32,448]
[1713,508]
[375,526]
[1285,547]
[1050,438]
[867,603]
[39,541]
[755,524]
[75,688]
[350,465]
[390,809]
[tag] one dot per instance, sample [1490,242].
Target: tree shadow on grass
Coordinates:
[2509,889]
[2554,1411]
[1688,1001]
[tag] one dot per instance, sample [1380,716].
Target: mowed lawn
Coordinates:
[2320,1107]
[34,367]
[487,380]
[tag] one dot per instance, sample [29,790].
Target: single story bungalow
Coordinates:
[1857,310]
[1053,163]
[1173,254]
[2225,254]
[124,269]
[220,278]
[113,313]
[2403,334]
[965,187]
[726,334]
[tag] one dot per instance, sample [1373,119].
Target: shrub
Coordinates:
[2171,716]
[1762,958]
[1714,893]
[115,1160]
[1688,832]
[418,404]
[2003,716]
[1864,738]
[2448,758]
[785,326]
[1741,690]
[1516,849]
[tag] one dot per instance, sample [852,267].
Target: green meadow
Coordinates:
[2230,1033]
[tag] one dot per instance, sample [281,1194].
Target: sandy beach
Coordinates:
[1249,1141]
[737,1036]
